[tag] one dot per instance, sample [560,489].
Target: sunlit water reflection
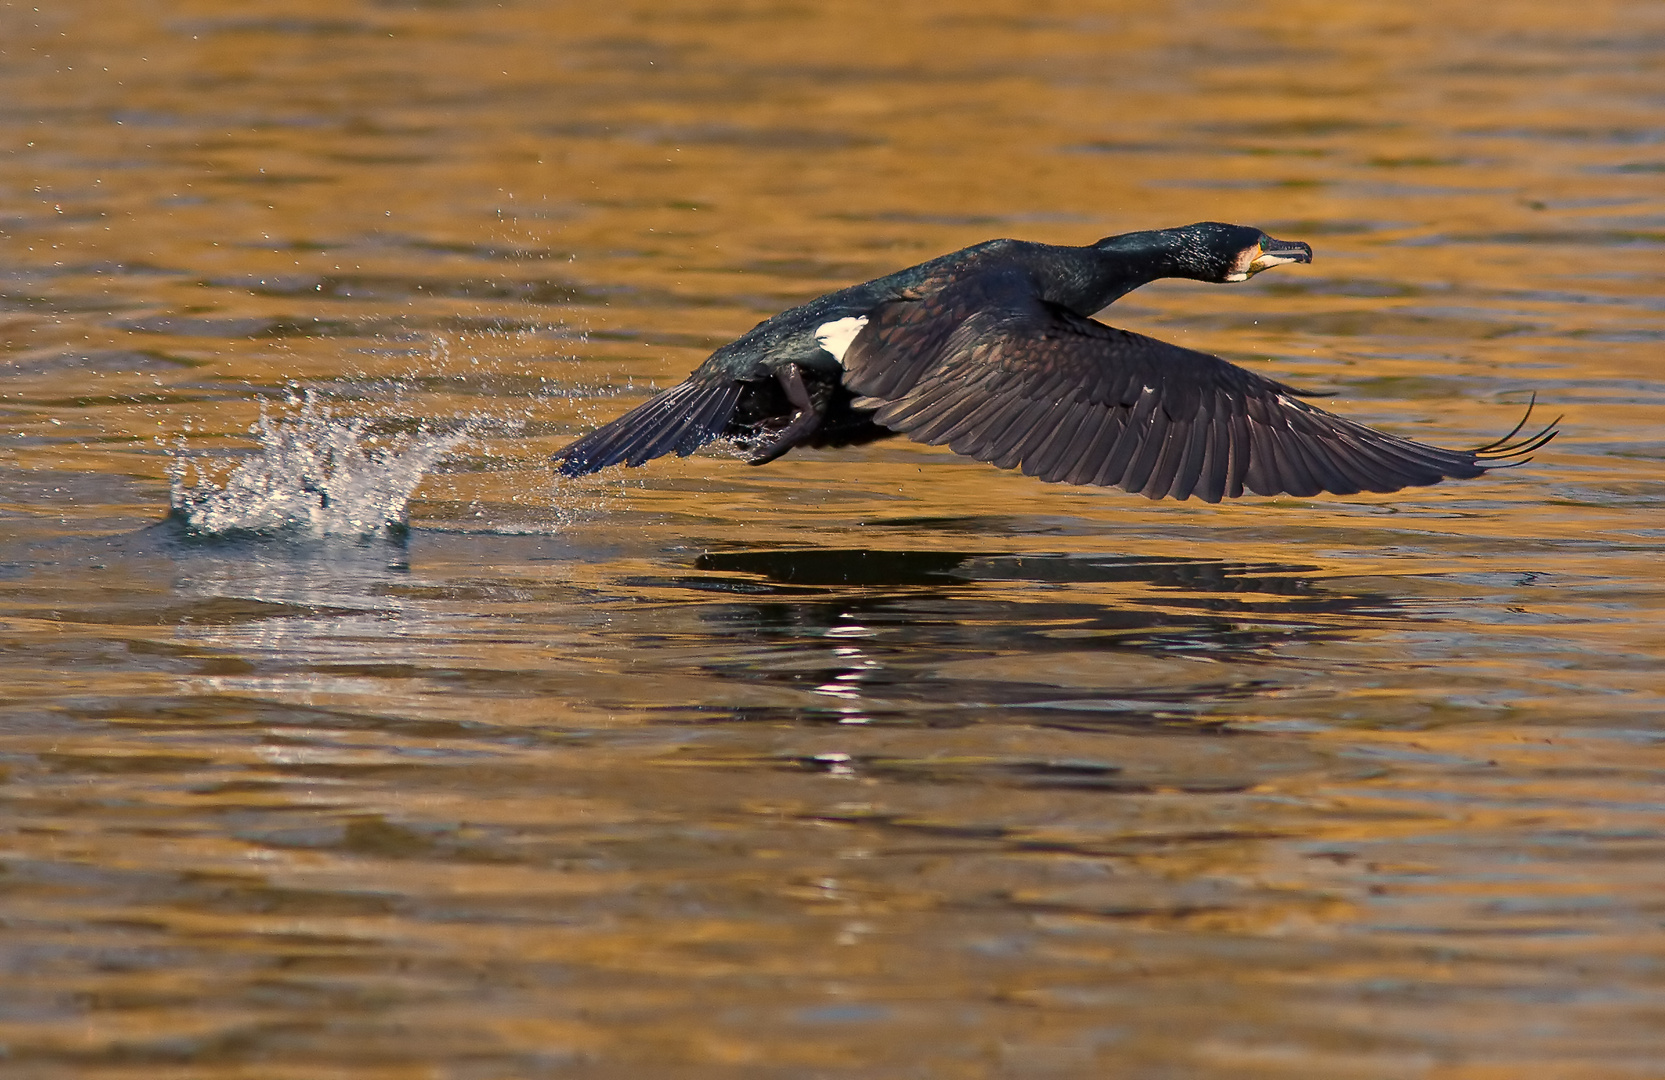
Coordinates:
[386,754]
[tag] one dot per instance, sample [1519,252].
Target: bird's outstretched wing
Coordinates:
[997,374]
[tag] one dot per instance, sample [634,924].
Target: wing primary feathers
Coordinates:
[1149,449]
[1292,466]
[1165,469]
[1215,468]
[1350,457]
[1007,428]
[1536,442]
[1237,442]
[1091,457]
[1311,441]
[1260,474]
[1421,464]
[1047,458]
[1042,450]
[1350,468]
[1008,451]
[1073,454]
[1023,455]
[1196,455]
[1499,449]
[1383,473]
[1114,470]
[1501,445]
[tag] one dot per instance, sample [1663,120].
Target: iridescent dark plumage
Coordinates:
[992,351]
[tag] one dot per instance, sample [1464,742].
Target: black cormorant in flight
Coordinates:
[993,350]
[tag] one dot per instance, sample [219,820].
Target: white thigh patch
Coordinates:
[835,336]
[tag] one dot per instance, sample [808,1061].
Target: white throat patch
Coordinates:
[1266,260]
[835,336]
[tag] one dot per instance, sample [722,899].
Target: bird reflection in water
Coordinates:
[871,630]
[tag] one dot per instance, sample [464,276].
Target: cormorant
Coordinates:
[992,350]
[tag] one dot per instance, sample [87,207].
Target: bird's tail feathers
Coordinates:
[680,420]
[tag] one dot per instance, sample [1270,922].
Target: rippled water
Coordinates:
[873,762]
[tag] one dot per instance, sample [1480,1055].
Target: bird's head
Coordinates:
[1210,250]
[1221,252]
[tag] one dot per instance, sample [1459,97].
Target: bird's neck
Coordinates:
[1117,265]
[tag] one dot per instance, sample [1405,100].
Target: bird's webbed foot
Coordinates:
[804,422]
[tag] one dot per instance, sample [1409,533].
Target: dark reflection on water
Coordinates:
[882,619]
[861,567]
[901,577]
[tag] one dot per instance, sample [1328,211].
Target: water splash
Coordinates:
[315,474]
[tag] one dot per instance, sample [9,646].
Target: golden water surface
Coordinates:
[873,762]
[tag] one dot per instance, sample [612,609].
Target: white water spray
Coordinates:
[315,475]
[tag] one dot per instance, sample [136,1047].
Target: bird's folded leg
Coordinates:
[805,422]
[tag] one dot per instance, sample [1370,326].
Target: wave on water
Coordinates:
[315,475]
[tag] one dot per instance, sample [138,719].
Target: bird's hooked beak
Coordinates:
[1266,254]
